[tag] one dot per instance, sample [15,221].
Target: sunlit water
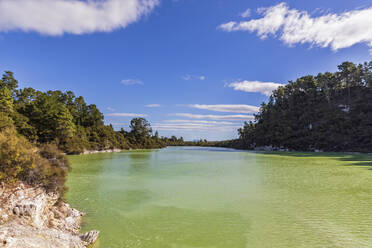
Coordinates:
[209,197]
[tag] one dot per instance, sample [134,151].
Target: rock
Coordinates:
[90,237]
[24,210]
[16,211]
[31,218]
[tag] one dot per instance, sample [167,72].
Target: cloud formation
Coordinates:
[200,121]
[215,117]
[153,105]
[190,77]
[196,125]
[265,88]
[131,82]
[125,115]
[246,13]
[293,26]
[233,108]
[57,17]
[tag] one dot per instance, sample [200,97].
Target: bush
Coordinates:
[54,172]
[17,157]
[22,161]
[5,121]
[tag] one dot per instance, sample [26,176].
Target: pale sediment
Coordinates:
[100,151]
[30,217]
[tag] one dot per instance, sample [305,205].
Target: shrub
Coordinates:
[22,161]
[54,172]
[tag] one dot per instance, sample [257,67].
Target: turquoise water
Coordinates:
[211,197]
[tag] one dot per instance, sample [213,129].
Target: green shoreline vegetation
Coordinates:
[327,112]
[36,128]
[330,112]
[68,121]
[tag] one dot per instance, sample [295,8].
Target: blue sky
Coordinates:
[200,66]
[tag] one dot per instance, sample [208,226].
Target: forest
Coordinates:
[36,128]
[326,112]
[63,119]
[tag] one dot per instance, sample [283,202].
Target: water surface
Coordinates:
[209,197]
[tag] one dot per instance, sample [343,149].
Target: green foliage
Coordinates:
[5,121]
[6,101]
[34,125]
[24,127]
[51,118]
[330,112]
[66,120]
[54,171]
[22,161]
[16,156]
[140,132]
[8,81]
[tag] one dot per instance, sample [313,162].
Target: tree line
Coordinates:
[68,121]
[36,126]
[327,112]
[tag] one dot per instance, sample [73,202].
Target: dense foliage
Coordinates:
[35,126]
[67,121]
[22,161]
[329,112]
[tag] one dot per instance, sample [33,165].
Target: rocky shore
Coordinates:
[100,151]
[30,217]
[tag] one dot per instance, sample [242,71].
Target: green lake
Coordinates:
[214,197]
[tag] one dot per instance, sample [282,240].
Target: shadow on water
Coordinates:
[359,160]
[352,159]
[209,149]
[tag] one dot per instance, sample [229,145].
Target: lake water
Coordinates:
[209,197]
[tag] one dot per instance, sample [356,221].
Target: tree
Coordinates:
[9,81]
[6,101]
[66,120]
[331,112]
[140,129]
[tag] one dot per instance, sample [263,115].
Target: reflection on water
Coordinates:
[216,197]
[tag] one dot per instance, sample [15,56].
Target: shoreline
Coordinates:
[87,152]
[295,151]
[100,151]
[32,217]
[269,149]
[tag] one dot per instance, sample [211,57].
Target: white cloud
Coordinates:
[57,17]
[190,77]
[110,109]
[196,126]
[246,13]
[233,108]
[265,88]
[131,82]
[293,26]
[153,105]
[215,117]
[200,121]
[125,115]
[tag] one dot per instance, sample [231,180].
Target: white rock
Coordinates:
[30,218]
